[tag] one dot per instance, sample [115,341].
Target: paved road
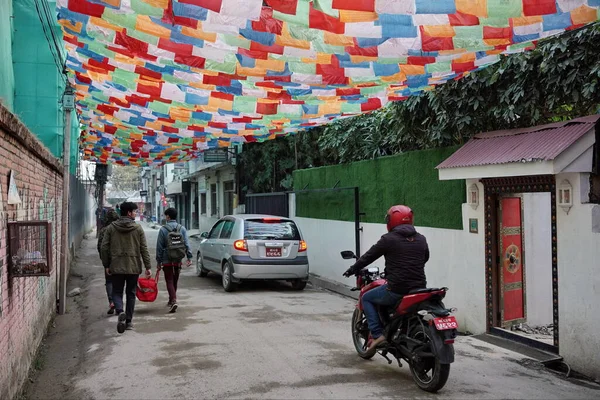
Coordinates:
[264,341]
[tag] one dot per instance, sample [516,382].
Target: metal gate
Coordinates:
[268,203]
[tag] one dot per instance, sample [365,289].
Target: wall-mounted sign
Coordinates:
[473,225]
[143,193]
[215,155]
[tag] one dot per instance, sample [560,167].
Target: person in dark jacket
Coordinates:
[111,216]
[123,250]
[172,268]
[406,252]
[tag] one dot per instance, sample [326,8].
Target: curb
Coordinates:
[339,288]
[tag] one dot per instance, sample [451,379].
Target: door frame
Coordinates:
[494,188]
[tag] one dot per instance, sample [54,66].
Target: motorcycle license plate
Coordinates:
[273,252]
[442,324]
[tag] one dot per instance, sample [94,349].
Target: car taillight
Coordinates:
[271,220]
[240,245]
[302,246]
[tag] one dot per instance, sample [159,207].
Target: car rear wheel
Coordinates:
[298,284]
[200,270]
[228,284]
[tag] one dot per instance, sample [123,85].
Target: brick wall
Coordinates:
[26,304]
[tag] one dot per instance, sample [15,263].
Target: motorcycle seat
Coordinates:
[423,290]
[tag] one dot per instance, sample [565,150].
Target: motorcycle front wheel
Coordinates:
[428,374]
[360,335]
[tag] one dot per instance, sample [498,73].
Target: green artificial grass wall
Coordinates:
[408,178]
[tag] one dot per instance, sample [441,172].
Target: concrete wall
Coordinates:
[26,304]
[538,258]
[457,259]
[579,281]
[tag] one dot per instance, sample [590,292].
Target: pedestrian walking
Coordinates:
[123,250]
[171,247]
[111,216]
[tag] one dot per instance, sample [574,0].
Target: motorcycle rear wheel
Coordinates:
[360,335]
[429,375]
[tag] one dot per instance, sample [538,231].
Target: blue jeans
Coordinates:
[381,296]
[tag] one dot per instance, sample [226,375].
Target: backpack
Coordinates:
[176,249]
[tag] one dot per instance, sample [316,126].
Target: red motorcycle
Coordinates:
[419,329]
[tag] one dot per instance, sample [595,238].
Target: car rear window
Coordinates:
[270,229]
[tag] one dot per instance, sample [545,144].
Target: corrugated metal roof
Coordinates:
[539,143]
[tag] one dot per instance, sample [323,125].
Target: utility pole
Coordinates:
[68,105]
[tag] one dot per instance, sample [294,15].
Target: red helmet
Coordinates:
[398,215]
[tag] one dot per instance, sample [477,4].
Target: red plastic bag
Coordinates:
[147,289]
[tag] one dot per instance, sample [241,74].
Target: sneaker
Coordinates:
[169,304]
[173,308]
[121,323]
[111,309]
[377,342]
[128,326]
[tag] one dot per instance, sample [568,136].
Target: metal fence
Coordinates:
[81,211]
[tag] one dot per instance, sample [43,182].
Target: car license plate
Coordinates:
[442,324]
[273,252]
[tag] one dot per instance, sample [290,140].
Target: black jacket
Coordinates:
[406,253]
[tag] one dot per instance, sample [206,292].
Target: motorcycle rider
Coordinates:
[406,252]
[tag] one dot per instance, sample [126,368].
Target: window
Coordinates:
[270,229]
[29,248]
[228,194]
[214,232]
[213,200]
[227,229]
[203,203]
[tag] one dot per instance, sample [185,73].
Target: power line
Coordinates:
[50,37]
[46,34]
[51,21]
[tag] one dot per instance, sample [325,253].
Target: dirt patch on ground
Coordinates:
[59,355]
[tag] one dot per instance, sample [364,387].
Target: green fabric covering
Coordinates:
[7,78]
[38,86]
[409,178]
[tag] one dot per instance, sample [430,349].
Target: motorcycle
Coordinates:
[419,330]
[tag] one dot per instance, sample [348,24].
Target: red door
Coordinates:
[511,261]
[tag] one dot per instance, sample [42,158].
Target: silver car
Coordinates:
[254,247]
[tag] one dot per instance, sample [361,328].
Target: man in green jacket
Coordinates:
[123,249]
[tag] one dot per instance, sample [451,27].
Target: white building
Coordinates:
[201,192]
[213,191]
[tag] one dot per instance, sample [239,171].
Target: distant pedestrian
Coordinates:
[111,216]
[123,249]
[171,247]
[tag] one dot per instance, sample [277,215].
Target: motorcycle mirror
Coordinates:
[347,255]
